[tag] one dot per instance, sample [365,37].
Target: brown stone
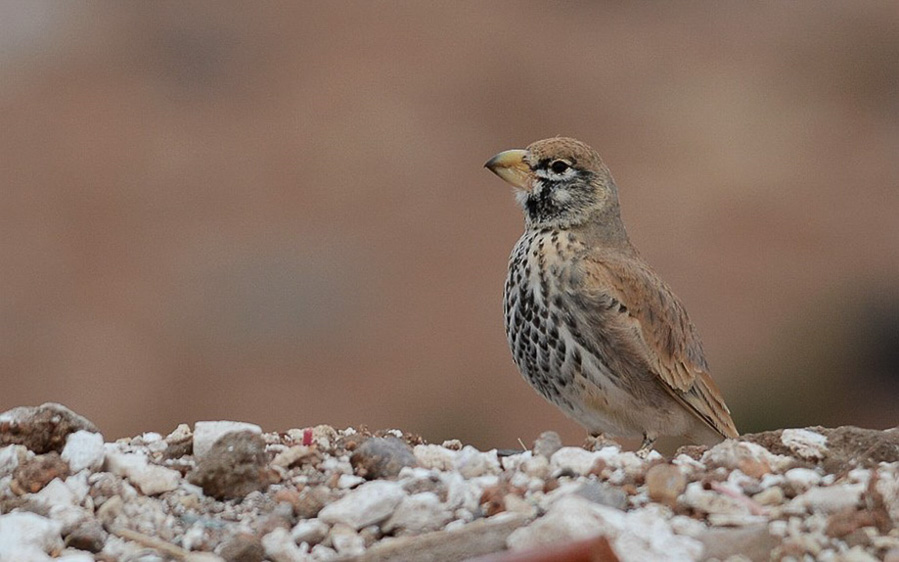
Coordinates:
[41,428]
[32,475]
[235,466]
[242,547]
[382,457]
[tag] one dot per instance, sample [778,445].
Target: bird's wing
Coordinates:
[643,319]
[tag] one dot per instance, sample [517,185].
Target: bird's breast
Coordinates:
[539,270]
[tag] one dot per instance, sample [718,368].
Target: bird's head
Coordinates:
[560,182]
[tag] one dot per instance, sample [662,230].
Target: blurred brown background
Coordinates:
[278,213]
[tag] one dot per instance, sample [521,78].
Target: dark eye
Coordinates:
[559,166]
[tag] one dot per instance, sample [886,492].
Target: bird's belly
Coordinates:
[581,386]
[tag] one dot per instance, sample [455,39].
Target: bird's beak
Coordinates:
[511,166]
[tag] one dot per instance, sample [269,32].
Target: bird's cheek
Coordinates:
[562,196]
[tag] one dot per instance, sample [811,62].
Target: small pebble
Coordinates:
[804,443]
[235,466]
[206,433]
[368,504]
[665,482]
[382,457]
[310,531]
[547,444]
[84,450]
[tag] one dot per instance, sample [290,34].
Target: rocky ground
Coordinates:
[228,491]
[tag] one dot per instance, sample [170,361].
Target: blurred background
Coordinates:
[278,213]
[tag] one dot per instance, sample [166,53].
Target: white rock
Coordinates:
[337,465]
[70,517]
[471,463]
[27,554]
[206,433]
[346,481]
[609,454]
[687,464]
[770,496]
[346,541]
[78,484]
[737,480]
[419,513]
[74,557]
[84,450]
[148,438]
[151,479]
[632,462]
[121,464]
[735,519]
[828,500]
[802,478]
[575,459]
[568,519]
[279,547]
[778,528]
[202,557]
[804,443]
[520,480]
[536,467]
[515,504]
[733,454]
[514,462]
[309,531]
[368,504]
[710,501]
[290,456]
[648,536]
[27,536]
[54,493]
[456,524]
[460,493]
[683,525]
[481,483]
[180,434]
[434,457]
[10,457]
[770,480]
[323,553]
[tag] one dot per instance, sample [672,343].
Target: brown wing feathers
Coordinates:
[666,338]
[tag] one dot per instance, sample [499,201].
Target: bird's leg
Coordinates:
[646,446]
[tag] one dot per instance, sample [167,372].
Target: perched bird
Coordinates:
[591,327]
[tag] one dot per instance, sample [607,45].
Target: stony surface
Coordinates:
[325,494]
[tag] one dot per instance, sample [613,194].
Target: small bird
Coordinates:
[591,327]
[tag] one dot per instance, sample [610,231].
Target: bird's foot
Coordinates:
[646,446]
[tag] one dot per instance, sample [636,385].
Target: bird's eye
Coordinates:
[559,166]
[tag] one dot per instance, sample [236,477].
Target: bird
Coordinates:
[590,325]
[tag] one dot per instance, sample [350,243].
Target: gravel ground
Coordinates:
[227,491]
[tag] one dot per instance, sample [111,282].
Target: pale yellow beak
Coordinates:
[510,165]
